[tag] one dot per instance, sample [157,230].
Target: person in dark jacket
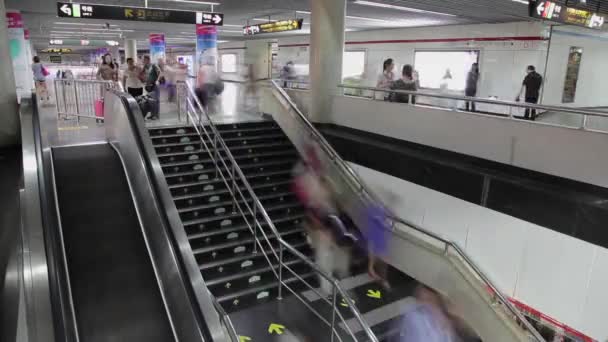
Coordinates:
[407,82]
[532,84]
[471,86]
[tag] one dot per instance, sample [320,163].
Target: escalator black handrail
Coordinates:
[63,315]
[131,107]
[368,196]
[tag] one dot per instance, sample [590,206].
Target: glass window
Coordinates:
[228,62]
[444,69]
[354,64]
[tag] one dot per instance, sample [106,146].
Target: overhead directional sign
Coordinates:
[553,11]
[93,11]
[244,338]
[274,27]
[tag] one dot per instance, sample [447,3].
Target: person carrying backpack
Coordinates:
[152,74]
[40,74]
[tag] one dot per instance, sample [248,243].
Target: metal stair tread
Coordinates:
[241,156]
[244,166]
[235,148]
[228,203]
[225,190]
[241,227]
[227,131]
[259,254]
[236,243]
[240,275]
[263,287]
[198,141]
[211,181]
[237,215]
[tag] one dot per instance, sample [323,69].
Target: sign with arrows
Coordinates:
[276,329]
[550,10]
[274,27]
[94,11]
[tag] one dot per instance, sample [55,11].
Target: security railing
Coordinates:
[82,98]
[341,172]
[246,202]
[510,109]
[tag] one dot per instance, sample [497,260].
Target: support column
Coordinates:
[326,54]
[9,129]
[131,49]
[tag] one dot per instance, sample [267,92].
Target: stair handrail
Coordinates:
[369,196]
[237,172]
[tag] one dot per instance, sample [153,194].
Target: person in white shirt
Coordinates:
[385,79]
[133,79]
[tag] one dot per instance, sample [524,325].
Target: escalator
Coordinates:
[102,261]
[114,291]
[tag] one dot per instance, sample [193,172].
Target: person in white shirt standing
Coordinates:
[133,79]
[385,79]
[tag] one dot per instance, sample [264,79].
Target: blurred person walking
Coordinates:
[288,73]
[428,319]
[133,79]
[531,84]
[152,74]
[470,89]
[208,84]
[407,82]
[40,74]
[385,79]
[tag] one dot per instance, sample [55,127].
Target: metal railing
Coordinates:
[358,186]
[509,105]
[256,217]
[78,98]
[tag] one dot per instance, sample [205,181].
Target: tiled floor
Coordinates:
[62,132]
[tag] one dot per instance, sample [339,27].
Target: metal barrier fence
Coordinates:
[77,98]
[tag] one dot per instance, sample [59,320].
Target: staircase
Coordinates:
[221,240]
[223,245]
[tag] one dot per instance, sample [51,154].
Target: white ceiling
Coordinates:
[40,17]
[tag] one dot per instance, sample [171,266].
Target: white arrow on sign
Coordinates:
[541,8]
[217,19]
[67,9]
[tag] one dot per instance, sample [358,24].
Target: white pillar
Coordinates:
[131,49]
[9,129]
[326,53]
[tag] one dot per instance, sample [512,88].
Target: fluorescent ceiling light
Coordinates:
[195,2]
[398,8]
[232,25]
[348,17]
[80,24]
[97,29]
[525,2]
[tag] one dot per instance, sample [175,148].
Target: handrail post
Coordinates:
[584,123]
[255,229]
[234,200]
[216,155]
[281,248]
[76,99]
[333,312]
[179,102]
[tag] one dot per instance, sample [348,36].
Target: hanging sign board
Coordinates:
[274,27]
[94,11]
[550,10]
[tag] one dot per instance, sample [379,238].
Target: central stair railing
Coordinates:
[342,173]
[255,217]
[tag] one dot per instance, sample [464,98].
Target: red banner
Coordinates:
[14,20]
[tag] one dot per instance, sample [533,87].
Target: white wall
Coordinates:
[560,276]
[593,70]
[236,48]
[560,151]
[502,62]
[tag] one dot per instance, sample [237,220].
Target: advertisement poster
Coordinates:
[206,46]
[157,46]
[17,51]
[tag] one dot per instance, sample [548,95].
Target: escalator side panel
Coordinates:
[114,288]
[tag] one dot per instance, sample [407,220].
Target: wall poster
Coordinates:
[572,71]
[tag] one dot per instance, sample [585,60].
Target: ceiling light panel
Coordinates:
[398,8]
